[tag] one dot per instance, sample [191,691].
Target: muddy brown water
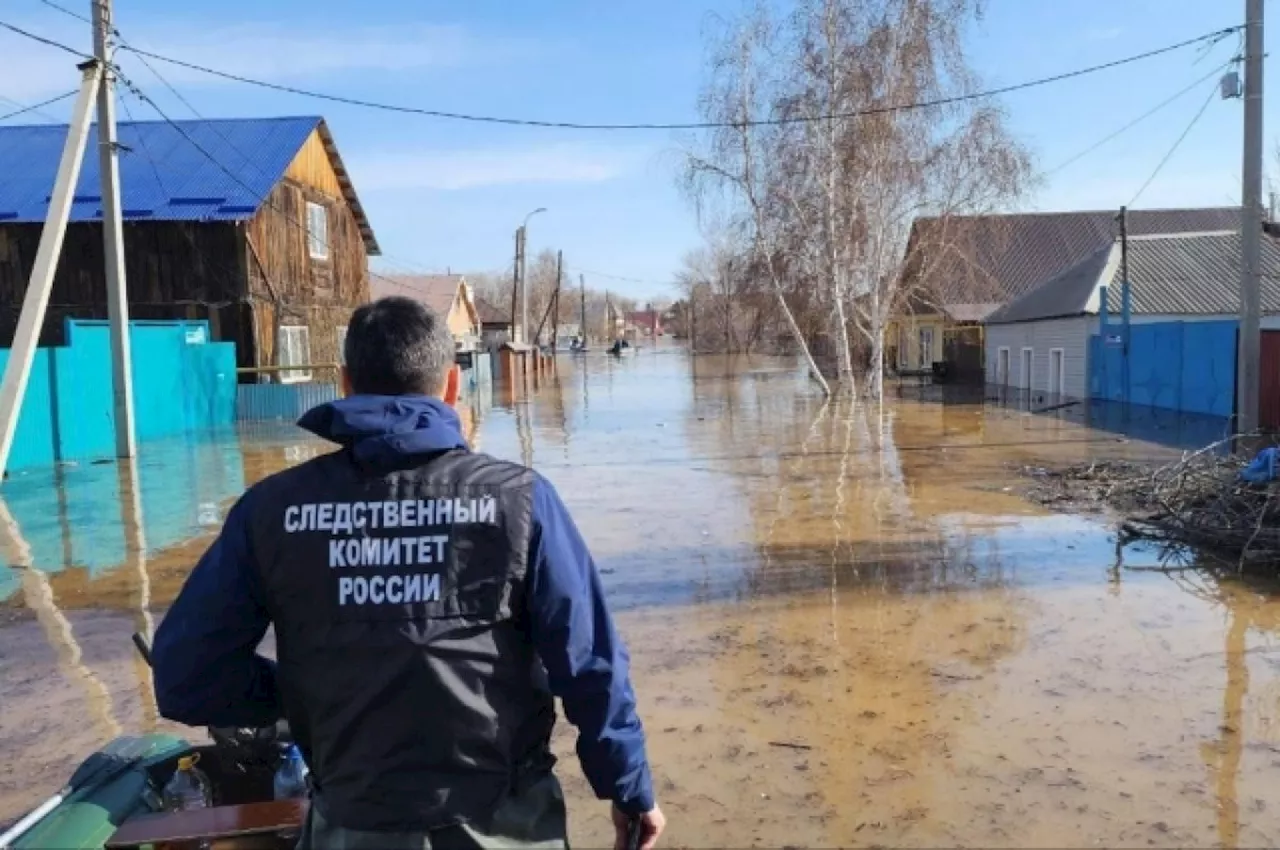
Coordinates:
[847,627]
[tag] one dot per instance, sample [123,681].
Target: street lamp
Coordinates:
[524,280]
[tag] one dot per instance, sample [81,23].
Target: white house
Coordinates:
[1039,342]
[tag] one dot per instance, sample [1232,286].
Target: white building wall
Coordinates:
[1071,335]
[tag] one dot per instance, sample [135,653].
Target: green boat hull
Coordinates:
[89,815]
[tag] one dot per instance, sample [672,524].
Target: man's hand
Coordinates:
[650,824]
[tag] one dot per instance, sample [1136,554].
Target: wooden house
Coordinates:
[447,295]
[962,269]
[495,323]
[251,224]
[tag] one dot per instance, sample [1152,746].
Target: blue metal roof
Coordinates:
[163,176]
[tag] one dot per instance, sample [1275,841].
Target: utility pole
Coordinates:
[113,234]
[555,315]
[582,280]
[17,370]
[1126,300]
[515,285]
[1248,369]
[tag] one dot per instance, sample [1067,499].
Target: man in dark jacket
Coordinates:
[427,602]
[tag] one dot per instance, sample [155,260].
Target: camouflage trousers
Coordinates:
[533,819]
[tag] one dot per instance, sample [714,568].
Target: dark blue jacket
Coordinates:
[208,672]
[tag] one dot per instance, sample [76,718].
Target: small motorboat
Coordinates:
[621,348]
[113,800]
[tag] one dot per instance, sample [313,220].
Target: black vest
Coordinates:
[405,667]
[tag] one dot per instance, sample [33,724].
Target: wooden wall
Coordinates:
[286,285]
[174,270]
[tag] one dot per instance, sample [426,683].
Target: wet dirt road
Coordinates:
[847,628]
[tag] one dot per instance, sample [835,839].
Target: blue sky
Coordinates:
[444,194]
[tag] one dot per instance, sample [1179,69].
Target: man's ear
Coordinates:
[452,386]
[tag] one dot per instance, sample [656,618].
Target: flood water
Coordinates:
[847,627]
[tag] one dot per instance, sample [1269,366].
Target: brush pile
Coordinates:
[1200,500]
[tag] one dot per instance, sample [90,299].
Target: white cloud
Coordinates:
[451,170]
[268,51]
[1104,34]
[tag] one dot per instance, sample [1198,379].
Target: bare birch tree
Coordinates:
[831,188]
[731,173]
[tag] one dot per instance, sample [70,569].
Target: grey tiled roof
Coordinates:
[997,258]
[1193,275]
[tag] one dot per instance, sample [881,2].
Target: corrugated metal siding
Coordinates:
[257,402]
[1071,335]
[1269,392]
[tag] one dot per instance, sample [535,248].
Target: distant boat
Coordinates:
[621,348]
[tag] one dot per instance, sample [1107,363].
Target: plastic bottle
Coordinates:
[291,777]
[188,788]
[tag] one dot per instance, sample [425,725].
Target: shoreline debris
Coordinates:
[1224,504]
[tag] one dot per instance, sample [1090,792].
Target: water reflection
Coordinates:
[848,629]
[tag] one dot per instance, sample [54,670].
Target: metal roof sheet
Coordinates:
[1067,294]
[998,258]
[1193,275]
[165,176]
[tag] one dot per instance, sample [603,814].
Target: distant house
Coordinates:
[644,322]
[250,224]
[1050,342]
[495,323]
[447,295]
[964,268]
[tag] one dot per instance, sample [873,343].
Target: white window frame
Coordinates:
[317,231]
[1058,387]
[925,362]
[1003,367]
[1027,362]
[285,353]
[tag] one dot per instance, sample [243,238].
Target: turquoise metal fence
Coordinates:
[182,382]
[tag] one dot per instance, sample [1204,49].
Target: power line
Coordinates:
[22,109]
[262,199]
[37,106]
[581,270]
[46,41]
[64,10]
[1144,116]
[1169,155]
[706,125]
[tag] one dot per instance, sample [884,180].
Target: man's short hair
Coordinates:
[397,346]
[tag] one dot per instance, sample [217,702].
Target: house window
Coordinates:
[294,349]
[318,231]
[1002,367]
[1027,362]
[926,348]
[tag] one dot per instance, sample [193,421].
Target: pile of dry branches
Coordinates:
[1199,500]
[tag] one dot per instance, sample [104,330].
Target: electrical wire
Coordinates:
[1169,155]
[262,199]
[46,41]
[703,125]
[1144,116]
[37,106]
[1209,37]
[64,10]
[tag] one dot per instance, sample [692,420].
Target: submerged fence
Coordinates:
[181,382]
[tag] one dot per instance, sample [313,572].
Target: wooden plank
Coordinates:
[212,823]
[312,168]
